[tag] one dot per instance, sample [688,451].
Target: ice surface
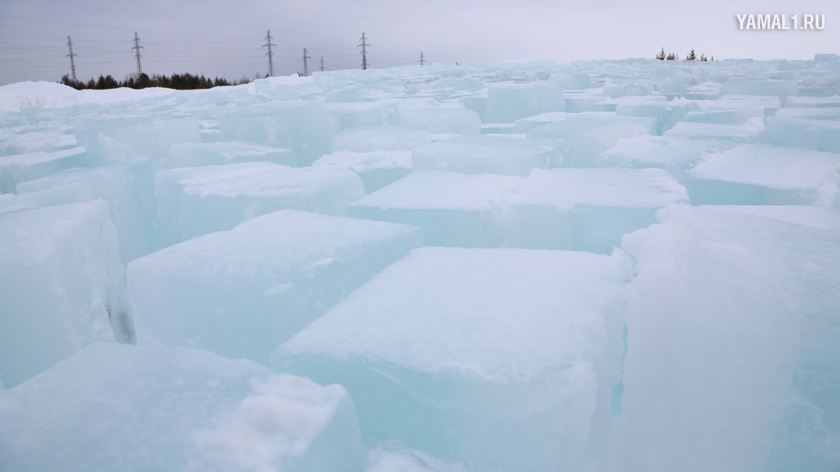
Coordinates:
[827,218]
[213,154]
[128,190]
[733,346]
[666,113]
[61,286]
[382,138]
[453,209]
[676,155]
[760,174]
[808,133]
[23,167]
[508,102]
[592,134]
[439,119]
[489,154]
[776,88]
[376,169]
[124,139]
[200,200]
[133,408]
[586,209]
[72,193]
[498,355]
[751,131]
[298,125]
[242,292]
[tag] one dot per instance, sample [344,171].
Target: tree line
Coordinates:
[175,81]
[676,57]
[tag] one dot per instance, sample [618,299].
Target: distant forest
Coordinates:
[175,81]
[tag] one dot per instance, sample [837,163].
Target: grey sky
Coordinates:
[223,38]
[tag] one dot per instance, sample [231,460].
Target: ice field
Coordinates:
[605,266]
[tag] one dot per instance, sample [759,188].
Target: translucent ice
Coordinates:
[489,154]
[145,409]
[211,154]
[60,289]
[498,355]
[382,138]
[200,200]
[751,131]
[733,346]
[507,103]
[376,169]
[23,167]
[242,292]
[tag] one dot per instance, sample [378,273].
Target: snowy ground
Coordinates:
[605,266]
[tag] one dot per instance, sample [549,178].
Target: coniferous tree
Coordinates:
[691,56]
[661,55]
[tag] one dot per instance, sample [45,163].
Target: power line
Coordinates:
[322,63]
[422,61]
[269,53]
[137,47]
[364,47]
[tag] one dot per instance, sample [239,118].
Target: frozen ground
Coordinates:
[608,266]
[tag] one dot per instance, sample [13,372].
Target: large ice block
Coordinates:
[442,119]
[125,138]
[214,154]
[301,125]
[762,174]
[72,193]
[128,408]
[585,209]
[128,189]
[489,154]
[508,102]
[382,138]
[61,286]
[666,113]
[200,200]
[242,292]
[23,167]
[774,88]
[507,356]
[376,169]
[676,155]
[808,133]
[453,209]
[733,358]
[592,134]
[750,132]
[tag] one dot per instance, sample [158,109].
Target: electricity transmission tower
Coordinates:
[71,56]
[322,63]
[364,47]
[305,65]
[137,47]
[422,61]
[270,54]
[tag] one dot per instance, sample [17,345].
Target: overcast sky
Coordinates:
[224,38]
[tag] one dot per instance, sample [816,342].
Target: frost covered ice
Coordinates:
[470,351]
[242,292]
[603,266]
[144,409]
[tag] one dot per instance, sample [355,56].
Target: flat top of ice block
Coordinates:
[488,145]
[32,235]
[259,179]
[770,166]
[817,216]
[593,125]
[561,115]
[39,157]
[571,188]
[650,149]
[813,113]
[741,101]
[70,193]
[443,190]
[749,131]
[269,250]
[230,149]
[496,314]
[366,161]
[160,408]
